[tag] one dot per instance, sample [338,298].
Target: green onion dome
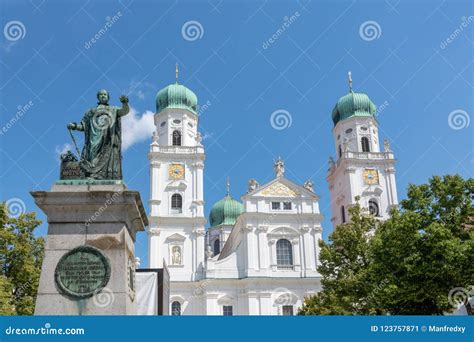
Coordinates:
[225,211]
[353,104]
[176,96]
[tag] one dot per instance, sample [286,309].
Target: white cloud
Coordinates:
[60,149]
[141,90]
[136,128]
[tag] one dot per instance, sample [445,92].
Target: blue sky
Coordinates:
[414,56]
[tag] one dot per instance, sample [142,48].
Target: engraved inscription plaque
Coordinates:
[82,272]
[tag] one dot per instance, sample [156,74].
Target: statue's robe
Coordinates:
[102,156]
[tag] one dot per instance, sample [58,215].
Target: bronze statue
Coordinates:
[101,156]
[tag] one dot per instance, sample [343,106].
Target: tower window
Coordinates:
[287,310]
[176,203]
[276,206]
[176,138]
[176,309]
[343,214]
[340,151]
[286,205]
[227,310]
[365,144]
[374,208]
[284,251]
[217,247]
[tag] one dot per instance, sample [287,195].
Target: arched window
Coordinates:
[343,214]
[176,138]
[340,151]
[176,308]
[284,251]
[374,208]
[365,144]
[176,203]
[217,247]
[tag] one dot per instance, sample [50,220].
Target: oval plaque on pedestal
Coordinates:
[82,272]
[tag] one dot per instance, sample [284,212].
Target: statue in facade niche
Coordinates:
[176,256]
[101,156]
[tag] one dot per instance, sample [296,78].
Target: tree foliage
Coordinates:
[21,256]
[410,263]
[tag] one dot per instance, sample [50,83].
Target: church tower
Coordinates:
[361,167]
[176,231]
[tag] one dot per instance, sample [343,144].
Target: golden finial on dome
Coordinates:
[177,72]
[349,75]
[228,186]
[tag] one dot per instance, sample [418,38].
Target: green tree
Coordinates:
[344,268]
[426,249]
[21,256]
[411,262]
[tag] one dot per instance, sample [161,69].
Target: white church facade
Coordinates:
[258,256]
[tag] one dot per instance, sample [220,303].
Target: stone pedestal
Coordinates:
[105,217]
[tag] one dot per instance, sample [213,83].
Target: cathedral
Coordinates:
[259,255]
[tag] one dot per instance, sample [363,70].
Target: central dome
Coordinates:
[176,96]
[353,104]
[225,211]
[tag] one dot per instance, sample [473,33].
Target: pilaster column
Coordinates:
[155,200]
[264,263]
[251,244]
[154,251]
[308,255]
[296,253]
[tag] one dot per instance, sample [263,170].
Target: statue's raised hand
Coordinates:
[72,125]
[124,99]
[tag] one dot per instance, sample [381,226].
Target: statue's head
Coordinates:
[103,96]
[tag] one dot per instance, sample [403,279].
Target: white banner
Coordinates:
[147,293]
